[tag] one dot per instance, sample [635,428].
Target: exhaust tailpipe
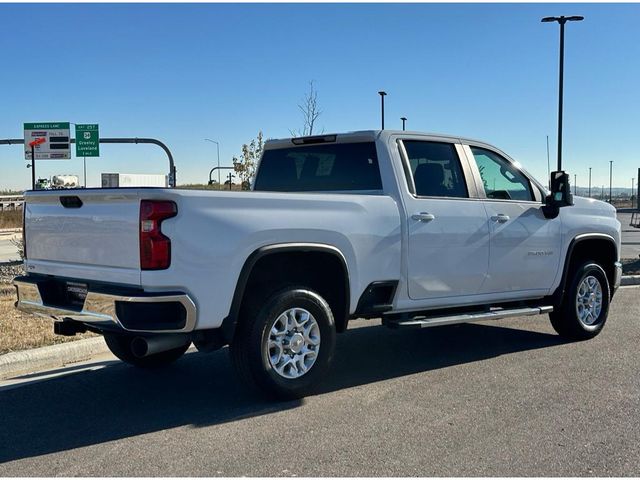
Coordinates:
[144,346]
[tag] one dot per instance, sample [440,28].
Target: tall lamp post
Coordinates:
[610,178]
[382,95]
[218,150]
[575,183]
[548,163]
[561,20]
[404,120]
[589,182]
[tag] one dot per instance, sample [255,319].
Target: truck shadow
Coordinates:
[118,401]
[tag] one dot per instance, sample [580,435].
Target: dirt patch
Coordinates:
[20,331]
[11,219]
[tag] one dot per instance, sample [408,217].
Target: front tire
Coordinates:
[120,346]
[585,306]
[285,346]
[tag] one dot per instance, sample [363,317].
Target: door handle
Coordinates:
[500,218]
[423,217]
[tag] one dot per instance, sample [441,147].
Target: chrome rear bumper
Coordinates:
[100,307]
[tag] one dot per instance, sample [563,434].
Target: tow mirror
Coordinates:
[560,195]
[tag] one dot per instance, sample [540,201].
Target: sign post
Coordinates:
[33,144]
[87,144]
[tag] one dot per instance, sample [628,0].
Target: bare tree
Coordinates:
[310,113]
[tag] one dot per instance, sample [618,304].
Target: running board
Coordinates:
[495,314]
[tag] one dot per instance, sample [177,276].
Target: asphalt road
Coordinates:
[8,251]
[506,398]
[630,237]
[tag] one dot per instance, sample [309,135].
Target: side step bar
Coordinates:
[494,314]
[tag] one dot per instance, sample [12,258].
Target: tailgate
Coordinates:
[85,234]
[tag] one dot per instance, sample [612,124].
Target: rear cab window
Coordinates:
[335,167]
[435,169]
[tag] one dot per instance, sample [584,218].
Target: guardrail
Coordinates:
[11,202]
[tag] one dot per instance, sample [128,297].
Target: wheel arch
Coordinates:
[599,247]
[259,258]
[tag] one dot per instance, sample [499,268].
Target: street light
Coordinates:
[589,182]
[610,177]
[382,95]
[575,183]
[218,150]
[561,20]
[404,119]
[548,164]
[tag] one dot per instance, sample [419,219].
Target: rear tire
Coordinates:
[585,305]
[120,346]
[285,345]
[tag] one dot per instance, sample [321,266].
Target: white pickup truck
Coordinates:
[417,229]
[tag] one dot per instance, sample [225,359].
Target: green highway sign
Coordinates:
[87,140]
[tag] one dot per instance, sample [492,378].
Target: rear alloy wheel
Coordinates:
[293,343]
[285,346]
[585,306]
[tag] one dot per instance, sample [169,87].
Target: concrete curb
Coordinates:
[630,280]
[29,361]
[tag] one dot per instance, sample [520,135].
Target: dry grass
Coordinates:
[20,331]
[11,219]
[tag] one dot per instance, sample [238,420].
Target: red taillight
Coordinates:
[155,248]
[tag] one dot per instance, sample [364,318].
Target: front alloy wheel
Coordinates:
[585,305]
[589,300]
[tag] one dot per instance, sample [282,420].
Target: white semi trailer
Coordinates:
[119,180]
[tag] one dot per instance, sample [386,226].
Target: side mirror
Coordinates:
[560,196]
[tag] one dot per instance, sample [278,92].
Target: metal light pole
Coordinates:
[610,178]
[404,119]
[589,182]
[548,163]
[561,20]
[382,95]
[218,150]
[631,198]
[575,184]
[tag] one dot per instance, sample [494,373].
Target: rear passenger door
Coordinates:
[525,245]
[448,233]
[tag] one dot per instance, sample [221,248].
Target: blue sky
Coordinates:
[181,73]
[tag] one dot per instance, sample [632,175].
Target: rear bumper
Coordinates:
[110,308]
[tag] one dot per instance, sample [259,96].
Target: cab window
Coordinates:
[501,179]
[435,168]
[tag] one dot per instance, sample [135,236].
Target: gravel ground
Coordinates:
[9,270]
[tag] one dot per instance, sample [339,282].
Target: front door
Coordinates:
[525,246]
